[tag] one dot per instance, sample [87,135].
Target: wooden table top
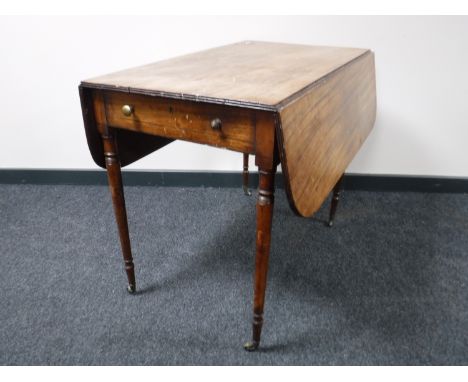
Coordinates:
[253,74]
[322,99]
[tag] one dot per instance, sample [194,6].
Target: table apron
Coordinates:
[185,120]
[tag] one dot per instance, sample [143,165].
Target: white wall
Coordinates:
[422,84]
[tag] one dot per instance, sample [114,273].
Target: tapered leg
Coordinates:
[335,200]
[245,175]
[265,203]
[115,184]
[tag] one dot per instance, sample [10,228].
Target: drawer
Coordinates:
[217,125]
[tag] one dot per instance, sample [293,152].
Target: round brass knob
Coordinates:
[216,124]
[127,110]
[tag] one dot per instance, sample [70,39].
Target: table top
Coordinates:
[321,101]
[255,74]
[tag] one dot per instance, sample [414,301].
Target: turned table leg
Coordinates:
[115,184]
[265,203]
[335,200]
[245,175]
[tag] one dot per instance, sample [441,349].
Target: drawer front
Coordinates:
[217,125]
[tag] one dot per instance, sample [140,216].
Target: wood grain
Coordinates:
[185,120]
[254,74]
[132,145]
[322,131]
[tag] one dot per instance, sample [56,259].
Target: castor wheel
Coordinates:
[131,289]
[251,346]
[330,223]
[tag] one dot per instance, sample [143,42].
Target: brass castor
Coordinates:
[330,223]
[251,346]
[247,191]
[131,289]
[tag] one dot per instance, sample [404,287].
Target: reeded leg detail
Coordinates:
[245,175]
[335,200]
[114,176]
[265,202]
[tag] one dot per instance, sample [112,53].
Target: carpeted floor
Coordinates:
[388,284]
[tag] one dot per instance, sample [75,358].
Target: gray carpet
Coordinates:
[387,285]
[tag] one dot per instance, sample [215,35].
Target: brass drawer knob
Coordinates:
[127,110]
[216,124]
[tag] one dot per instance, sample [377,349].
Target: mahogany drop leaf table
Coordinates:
[309,108]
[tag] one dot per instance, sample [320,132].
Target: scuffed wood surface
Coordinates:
[185,120]
[250,73]
[131,145]
[322,131]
